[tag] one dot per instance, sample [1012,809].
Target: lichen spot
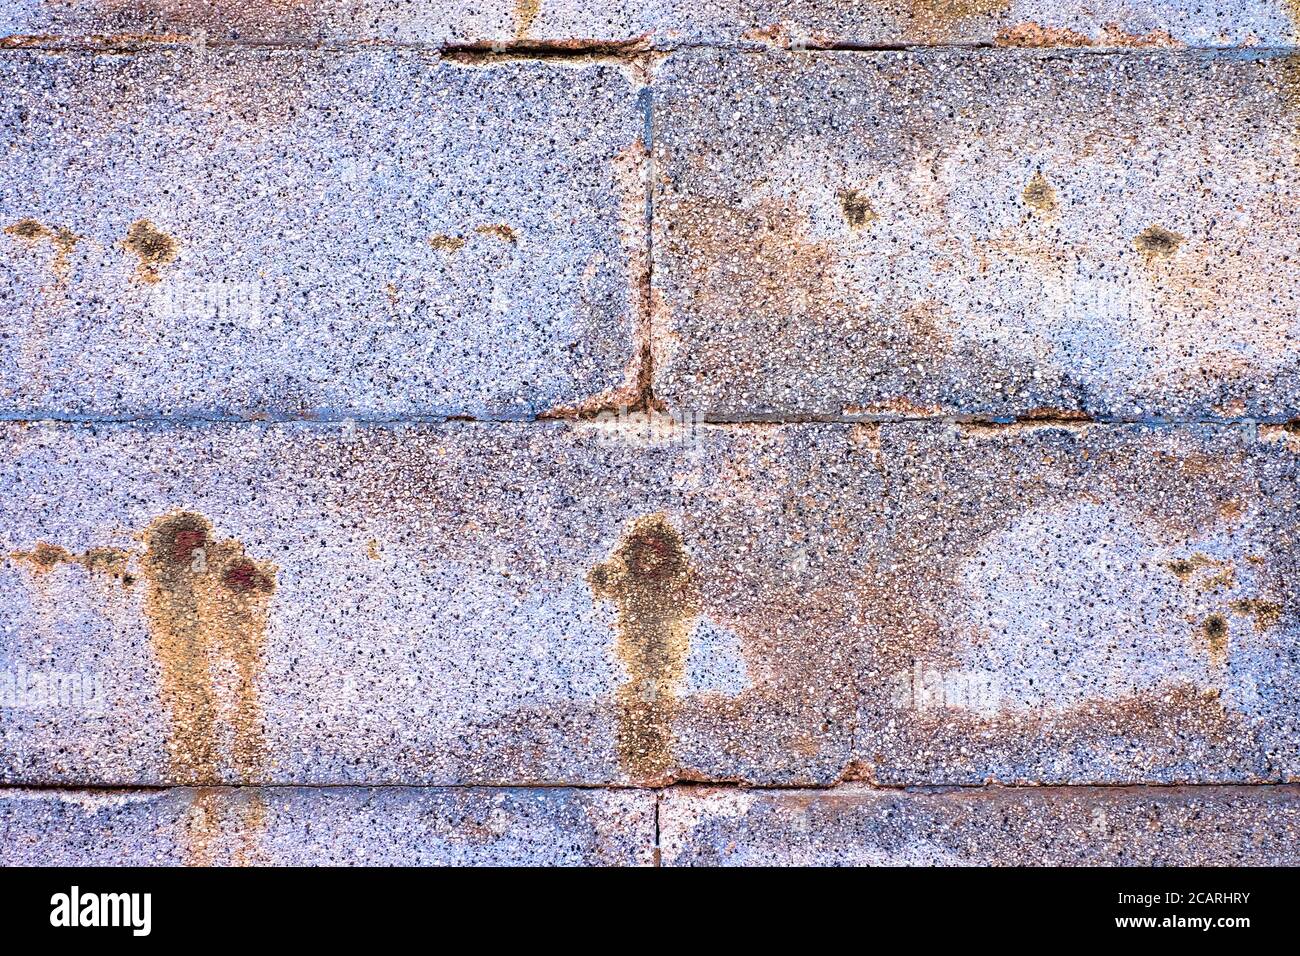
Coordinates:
[652,585]
[152,247]
[1157,242]
[498,230]
[63,240]
[857,209]
[1039,194]
[1214,630]
[1266,614]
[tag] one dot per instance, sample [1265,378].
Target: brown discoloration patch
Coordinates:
[207,606]
[856,205]
[1157,242]
[1224,574]
[1266,613]
[63,240]
[525,13]
[44,558]
[445,243]
[1039,194]
[1113,35]
[652,584]
[950,12]
[152,247]
[901,407]
[498,230]
[1035,35]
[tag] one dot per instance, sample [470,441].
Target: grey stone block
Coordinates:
[283,233]
[1066,23]
[976,233]
[593,604]
[1078,826]
[337,826]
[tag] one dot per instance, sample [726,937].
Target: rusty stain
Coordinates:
[63,240]
[856,205]
[950,12]
[202,826]
[650,580]
[498,230]
[526,12]
[207,606]
[1223,578]
[445,243]
[44,558]
[154,249]
[1266,613]
[1039,193]
[1157,241]
[1035,35]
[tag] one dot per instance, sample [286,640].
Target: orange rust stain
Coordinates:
[525,13]
[63,240]
[1039,193]
[949,12]
[152,247]
[207,606]
[650,580]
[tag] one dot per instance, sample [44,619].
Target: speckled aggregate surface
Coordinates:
[1077,827]
[1111,602]
[1067,23]
[959,338]
[371,233]
[339,826]
[990,233]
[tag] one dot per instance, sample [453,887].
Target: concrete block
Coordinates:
[338,826]
[911,234]
[1078,826]
[1062,23]
[284,233]
[592,603]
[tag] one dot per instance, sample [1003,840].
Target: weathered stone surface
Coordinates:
[1202,826]
[337,826]
[579,603]
[286,233]
[1083,604]
[459,603]
[1068,23]
[982,232]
